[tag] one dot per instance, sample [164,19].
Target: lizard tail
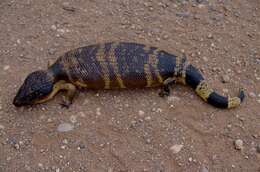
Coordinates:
[195,79]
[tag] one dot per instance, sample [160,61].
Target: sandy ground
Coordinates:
[132,130]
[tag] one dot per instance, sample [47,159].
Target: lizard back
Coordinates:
[116,65]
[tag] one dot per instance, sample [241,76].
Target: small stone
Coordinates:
[40,165]
[57,170]
[205,58]
[53,27]
[165,37]
[16,146]
[183,14]
[258,100]
[65,141]
[51,51]
[148,118]
[66,6]
[2,127]
[190,159]
[258,148]
[98,111]
[63,147]
[252,94]
[204,169]
[73,119]
[6,67]
[210,36]
[238,144]
[65,127]
[176,148]
[225,78]
[141,113]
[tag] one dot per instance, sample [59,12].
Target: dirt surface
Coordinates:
[132,130]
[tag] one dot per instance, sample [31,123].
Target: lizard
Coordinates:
[117,65]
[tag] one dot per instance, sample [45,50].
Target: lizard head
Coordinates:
[36,86]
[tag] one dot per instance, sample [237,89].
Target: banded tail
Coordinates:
[195,79]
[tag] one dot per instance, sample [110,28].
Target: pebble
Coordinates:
[51,51]
[225,78]
[258,100]
[205,58]
[65,141]
[183,14]
[66,6]
[238,144]
[176,148]
[53,27]
[204,169]
[252,94]
[6,67]
[258,148]
[210,36]
[141,113]
[148,118]
[2,127]
[65,127]
[73,119]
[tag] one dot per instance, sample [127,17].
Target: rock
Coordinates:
[65,141]
[66,6]
[98,113]
[148,118]
[2,127]
[258,148]
[225,78]
[173,99]
[183,14]
[204,169]
[252,94]
[53,27]
[205,58]
[258,100]
[176,148]
[210,36]
[238,144]
[73,119]
[6,67]
[65,127]
[51,51]
[141,113]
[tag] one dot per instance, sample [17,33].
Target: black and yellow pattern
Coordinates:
[123,65]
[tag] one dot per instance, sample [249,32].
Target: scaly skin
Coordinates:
[126,65]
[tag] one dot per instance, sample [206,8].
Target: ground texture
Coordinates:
[132,130]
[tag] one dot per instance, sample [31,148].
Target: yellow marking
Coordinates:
[148,75]
[60,85]
[146,48]
[177,66]
[80,84]
[233,102]
[153,60]
[113,62]
[101,59]
[203,90]
[182,78]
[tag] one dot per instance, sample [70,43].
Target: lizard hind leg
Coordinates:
[165,90]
